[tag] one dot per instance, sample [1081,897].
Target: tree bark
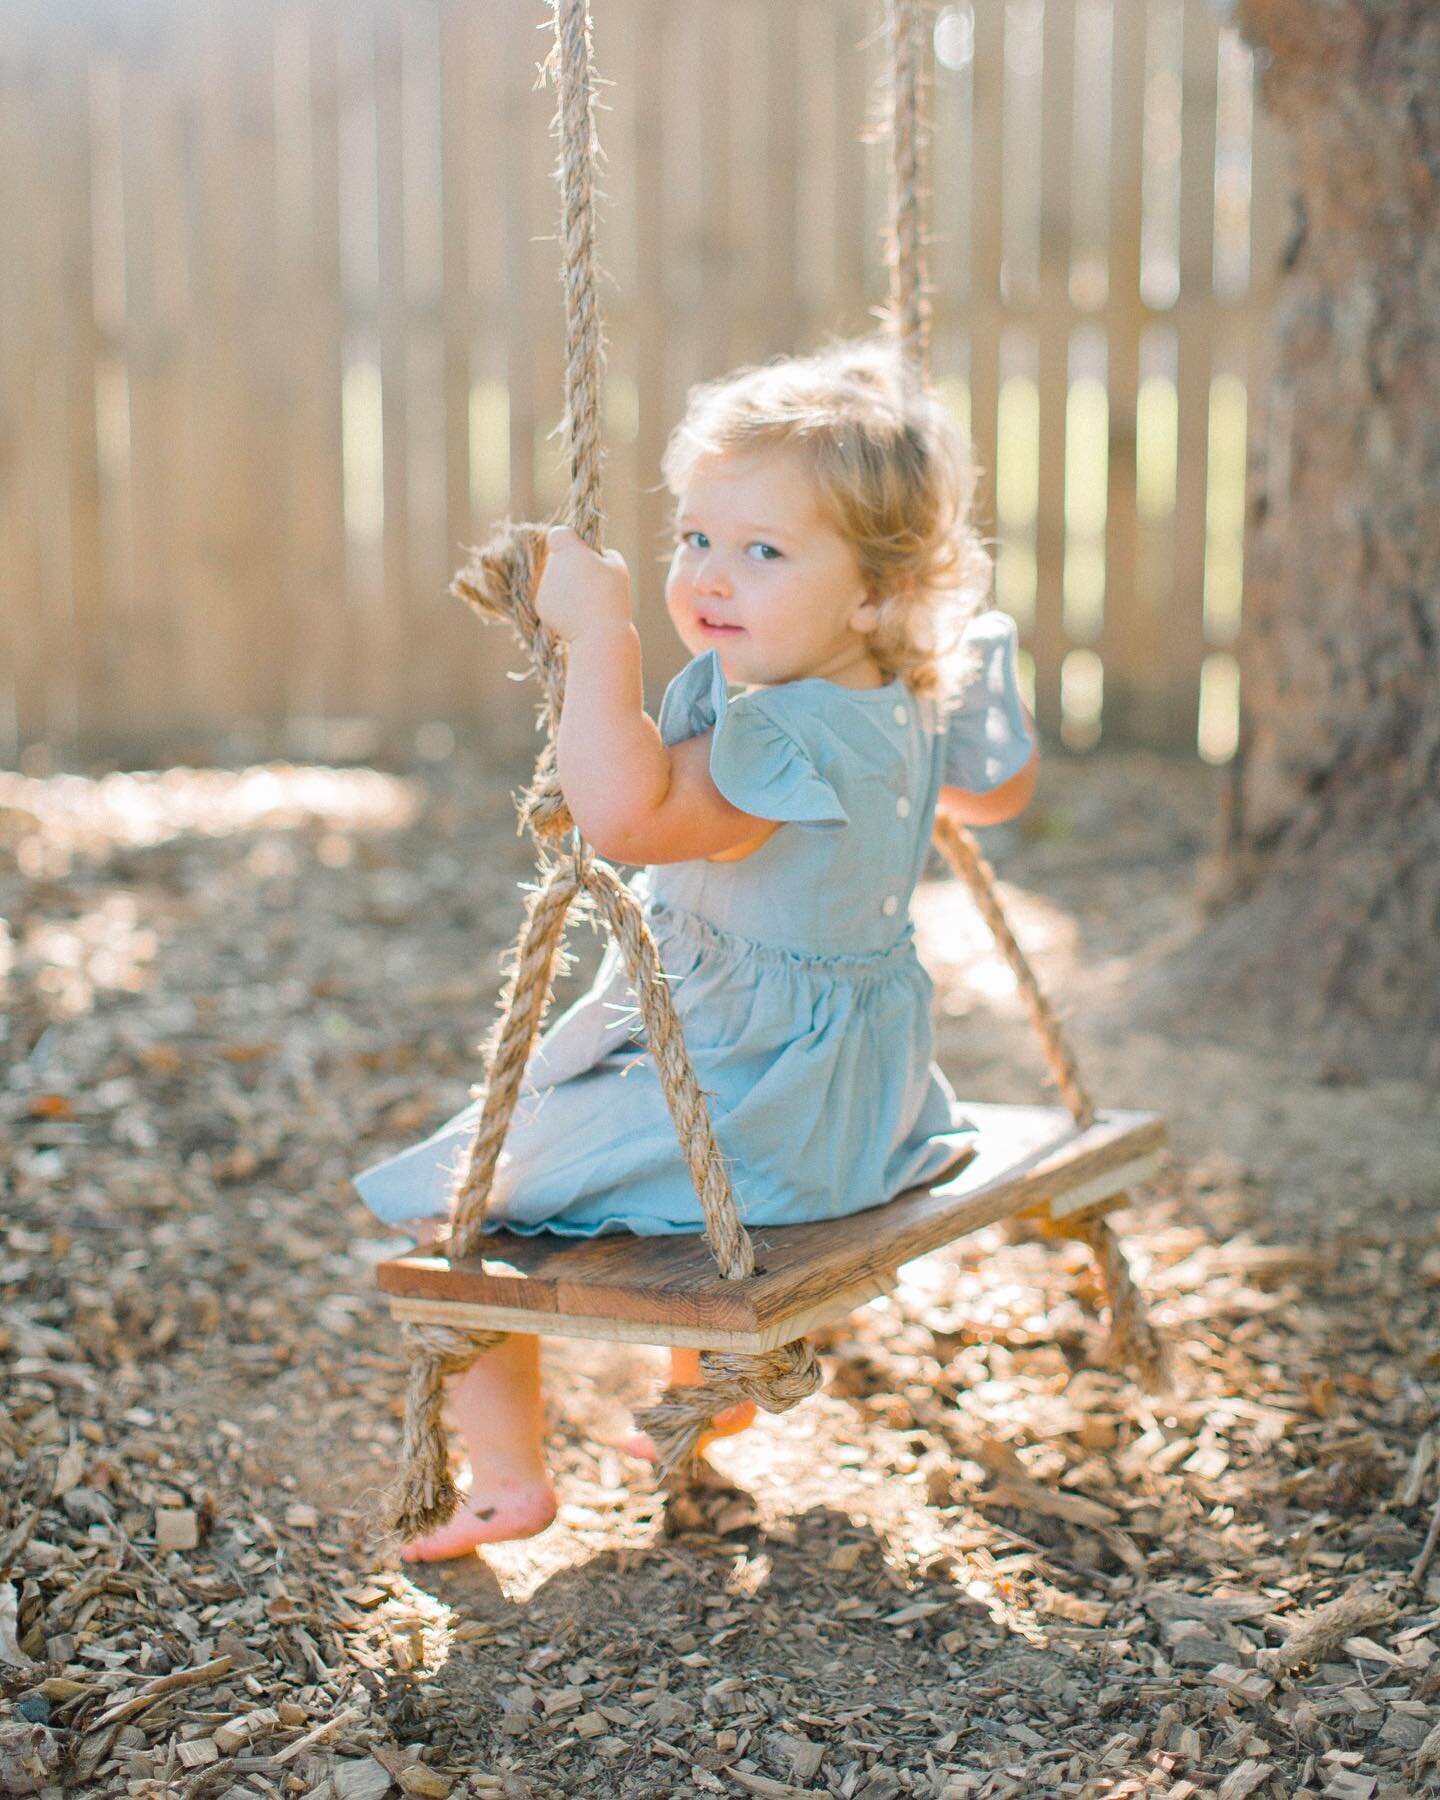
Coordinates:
[1330,873]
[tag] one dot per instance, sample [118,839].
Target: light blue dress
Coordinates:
[806,1011]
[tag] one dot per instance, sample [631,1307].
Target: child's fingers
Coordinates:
[565,541]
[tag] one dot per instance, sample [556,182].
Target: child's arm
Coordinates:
[1000,803]
[636,800]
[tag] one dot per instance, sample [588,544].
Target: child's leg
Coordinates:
[498,1410]
[685,1372]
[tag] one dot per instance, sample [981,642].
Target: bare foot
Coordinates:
[512,1512]
[727,1423]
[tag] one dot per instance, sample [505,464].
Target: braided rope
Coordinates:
[584,345]
[500,581]
[1133,1340]
[729,1241]
[904,250]
[778,1379]
[963,854]
[425,1496]
[522,1007]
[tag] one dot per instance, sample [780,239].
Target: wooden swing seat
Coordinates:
[666,1290]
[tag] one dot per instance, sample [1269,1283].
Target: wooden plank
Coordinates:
[47,632]
[487,148]
[1027,1157]
[748,329]
[850,294]
[109,379]
[1127,637]
[635,471]
[1052,345]
[157,688]
[464,1316]
[89,688]
[364,682]
[781,76]
[308,104]
[438,621]
[235,580]
[22,107]
[396,627]
[456,73]
[983,304]
[1184,636]
[257,573]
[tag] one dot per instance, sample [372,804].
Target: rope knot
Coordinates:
[775,1379]
[500,581]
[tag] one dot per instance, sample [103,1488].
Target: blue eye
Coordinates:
[769,547]
[685,537]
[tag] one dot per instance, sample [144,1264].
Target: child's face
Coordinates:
[760,575]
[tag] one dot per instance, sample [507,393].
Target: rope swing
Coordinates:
[500,582]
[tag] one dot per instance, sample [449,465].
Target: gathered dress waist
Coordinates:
[670,921]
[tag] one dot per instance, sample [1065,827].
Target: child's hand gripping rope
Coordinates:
[581,589]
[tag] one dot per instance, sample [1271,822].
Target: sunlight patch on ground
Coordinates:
[111,945]
[416,1624]
[49,822]
[956,947]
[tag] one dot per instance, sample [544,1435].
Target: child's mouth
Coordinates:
[719,630]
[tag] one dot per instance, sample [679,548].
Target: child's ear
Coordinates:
[867,615]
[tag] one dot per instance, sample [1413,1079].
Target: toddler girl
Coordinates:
[823,575]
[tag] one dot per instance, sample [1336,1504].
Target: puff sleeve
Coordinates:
[756,760]
[986,738]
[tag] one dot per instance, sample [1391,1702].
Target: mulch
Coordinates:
[979,1564]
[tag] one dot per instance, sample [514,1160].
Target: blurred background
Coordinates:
[280,334]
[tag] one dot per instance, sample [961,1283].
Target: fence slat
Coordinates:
[22,109]
[456,50]
[310,264]
[88,602]
[1048,636]
[1184,638]
[397,628]
[156,672]
[1127,637]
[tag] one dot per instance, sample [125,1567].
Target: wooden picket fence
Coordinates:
[280,333]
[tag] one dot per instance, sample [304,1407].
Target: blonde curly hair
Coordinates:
[893,473]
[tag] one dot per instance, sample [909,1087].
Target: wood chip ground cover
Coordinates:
[979,1564]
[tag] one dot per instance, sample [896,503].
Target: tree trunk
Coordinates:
[1331,865]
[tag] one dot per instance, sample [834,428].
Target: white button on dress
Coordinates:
[902,807]
[890,906]
[901,716]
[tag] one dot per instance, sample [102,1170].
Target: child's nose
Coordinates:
[712,577]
